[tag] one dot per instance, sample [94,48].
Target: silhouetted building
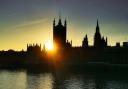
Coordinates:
[85,42]
[98,41]
[125,44]
[35,48]
[118,44]
[68,56]
[59,35]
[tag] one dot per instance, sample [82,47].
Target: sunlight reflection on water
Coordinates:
[24,80]
[41,81]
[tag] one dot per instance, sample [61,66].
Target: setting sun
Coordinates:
[49,45]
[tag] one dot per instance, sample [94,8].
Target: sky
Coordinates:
[30,21]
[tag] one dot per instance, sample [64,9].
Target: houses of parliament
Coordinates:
[61,43]
[99,52]
[66,54]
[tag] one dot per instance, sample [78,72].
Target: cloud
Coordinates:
[31,23]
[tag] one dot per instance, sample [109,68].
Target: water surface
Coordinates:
[61,80]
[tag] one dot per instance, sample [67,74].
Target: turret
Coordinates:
[85,41]
[65,23]
[106,41]
[54,23]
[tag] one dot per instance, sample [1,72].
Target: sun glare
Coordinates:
[49,45]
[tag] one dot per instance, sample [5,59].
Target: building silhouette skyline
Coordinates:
[60,36]
[65,52]
[61,42]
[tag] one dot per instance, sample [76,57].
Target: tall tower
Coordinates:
[59,34]
[97,37]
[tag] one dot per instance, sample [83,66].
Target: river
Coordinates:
[61,80]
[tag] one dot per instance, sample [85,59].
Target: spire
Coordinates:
[54,22]
[85,41]
[97,27]
[97,23]
[59,23]
[86,36]
[65,23]
[106,41]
